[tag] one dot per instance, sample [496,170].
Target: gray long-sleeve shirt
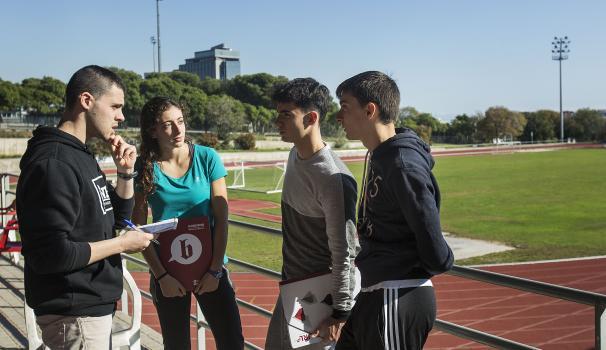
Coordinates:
[318,223]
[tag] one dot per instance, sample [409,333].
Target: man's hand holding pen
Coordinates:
[135,240]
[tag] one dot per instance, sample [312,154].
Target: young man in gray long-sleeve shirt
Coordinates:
[318,208]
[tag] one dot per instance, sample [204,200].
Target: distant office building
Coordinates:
[219,62]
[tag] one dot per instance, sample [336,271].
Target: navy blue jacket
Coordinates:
[399,214]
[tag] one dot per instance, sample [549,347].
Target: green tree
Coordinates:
[44,96]
[9,96]
[224,115]
[265,119]
[213,86]
[585,125]
[133,99]
[462,129]
[424,124]
[329,125]
[499,122]
[194,100]
[255,89]
[161,85]
[542,124]
[251,116]
[185,78]
[430,121]
[406,117]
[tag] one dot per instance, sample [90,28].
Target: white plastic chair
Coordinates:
[130,336]
[33,339]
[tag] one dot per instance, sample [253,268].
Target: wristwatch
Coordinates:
[216,274]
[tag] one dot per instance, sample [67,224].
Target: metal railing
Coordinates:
[199,319]
[598,301]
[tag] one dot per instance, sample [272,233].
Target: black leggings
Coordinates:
[390,319]
[219,309]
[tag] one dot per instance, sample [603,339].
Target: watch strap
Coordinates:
[126,176]
[216,274]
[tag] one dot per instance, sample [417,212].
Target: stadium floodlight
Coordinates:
[152,39]
[559,53]
[158,34]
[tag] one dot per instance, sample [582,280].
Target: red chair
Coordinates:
[8,242]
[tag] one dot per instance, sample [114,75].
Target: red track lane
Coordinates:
[540,321]
[249,208]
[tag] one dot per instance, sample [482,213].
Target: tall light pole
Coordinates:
[559,52]
[158,34]
[152,39]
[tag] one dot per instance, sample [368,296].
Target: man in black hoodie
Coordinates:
[398,222]
[68,216]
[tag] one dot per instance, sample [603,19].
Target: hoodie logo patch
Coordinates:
[103,194]
[372,190]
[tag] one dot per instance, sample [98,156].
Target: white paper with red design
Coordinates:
[306,303]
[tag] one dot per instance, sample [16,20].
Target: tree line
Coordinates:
[501,123]
[244,103]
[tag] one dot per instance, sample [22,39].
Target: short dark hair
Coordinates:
[92,79]
[376,87]
[305,93]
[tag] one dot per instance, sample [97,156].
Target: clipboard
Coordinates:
[186,250]
[306,303]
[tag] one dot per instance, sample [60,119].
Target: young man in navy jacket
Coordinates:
[398,222]
[68,216]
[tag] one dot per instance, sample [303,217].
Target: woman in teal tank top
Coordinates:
[180,179]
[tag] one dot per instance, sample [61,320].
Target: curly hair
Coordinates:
[150,149]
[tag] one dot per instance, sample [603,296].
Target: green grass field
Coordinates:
[549,205]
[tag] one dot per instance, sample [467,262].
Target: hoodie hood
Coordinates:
[48,134]
[406,138]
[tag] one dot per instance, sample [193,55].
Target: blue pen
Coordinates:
[134,227]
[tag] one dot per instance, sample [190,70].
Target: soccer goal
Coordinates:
[259,177]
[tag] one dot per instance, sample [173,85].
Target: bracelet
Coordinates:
[161,276]
[126,176]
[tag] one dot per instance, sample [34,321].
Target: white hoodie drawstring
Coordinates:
[364,177]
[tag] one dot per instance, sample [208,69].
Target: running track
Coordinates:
[536,320]
[540,321]
[532,319]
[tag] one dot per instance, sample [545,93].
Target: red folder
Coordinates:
[186,251]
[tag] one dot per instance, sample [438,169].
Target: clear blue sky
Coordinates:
[448,56]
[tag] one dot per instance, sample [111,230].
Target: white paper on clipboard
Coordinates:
[160,226]
[306,303]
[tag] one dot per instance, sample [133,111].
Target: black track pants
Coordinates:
[390,319]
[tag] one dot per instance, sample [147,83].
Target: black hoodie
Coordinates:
[63,203]
[398,218]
